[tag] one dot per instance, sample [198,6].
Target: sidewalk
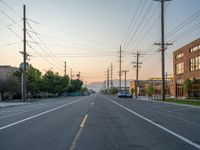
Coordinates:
[10,104]
[144,98]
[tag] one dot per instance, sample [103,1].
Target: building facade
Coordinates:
[5,73]
[186,65]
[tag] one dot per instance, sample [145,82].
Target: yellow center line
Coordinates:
[84,120]
[79,132]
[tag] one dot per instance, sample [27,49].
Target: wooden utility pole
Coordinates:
[111,73]
[120,68]
[65,71]
[125,72]
[163,44]
[137,66]
[71,75]
[108,78]
[24,56]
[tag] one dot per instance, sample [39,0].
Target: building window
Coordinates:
[195,63]
[179,55]
[180,68]
[193,49]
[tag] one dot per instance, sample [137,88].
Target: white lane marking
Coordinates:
[37,115]
[21,112]
[161,127]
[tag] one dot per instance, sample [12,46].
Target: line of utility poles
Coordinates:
[109,78]
[163,44]
[137,66]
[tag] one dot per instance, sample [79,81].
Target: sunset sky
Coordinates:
[87,34]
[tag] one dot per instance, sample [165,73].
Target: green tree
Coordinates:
[132,91]
[113,90]
[48,82]
[187,85]
[75,86]
[54,83]
[83,90]
[149,90]
[34,77]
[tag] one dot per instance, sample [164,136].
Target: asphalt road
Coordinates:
[99,122]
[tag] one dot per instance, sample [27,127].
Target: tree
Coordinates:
[48,82]
[132,91]
[33,80]
[53,83]
[83,90]
[75,86]
[187,84]
[149,90]
[113,90]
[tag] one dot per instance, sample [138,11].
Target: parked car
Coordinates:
[124,95]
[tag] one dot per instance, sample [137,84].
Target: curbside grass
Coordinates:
[184,101]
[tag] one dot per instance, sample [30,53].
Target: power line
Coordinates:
[183,24]
[68,33]
[139,25]
[127,34]
[56,59]
[41,55]
[10,44]
[9,25]
[3,12]
[12,30]
[185,33]
[149,29]
[10,8]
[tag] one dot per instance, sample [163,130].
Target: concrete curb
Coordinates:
[187,105]
[11,104]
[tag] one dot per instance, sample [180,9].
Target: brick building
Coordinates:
[186,65]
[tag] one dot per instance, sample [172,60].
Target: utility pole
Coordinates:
[125,71]
[71,75]
[24,56]
[138,54]
[108,78]
[120,67]
[65,69]
[111,72]
[105,75]
[163,44]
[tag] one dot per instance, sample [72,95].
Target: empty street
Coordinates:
[99,122]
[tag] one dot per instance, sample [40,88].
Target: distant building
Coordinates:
[5,72]
[186,65]
[156,83]
[141,87]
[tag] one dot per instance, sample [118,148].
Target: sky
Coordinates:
[87,34]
